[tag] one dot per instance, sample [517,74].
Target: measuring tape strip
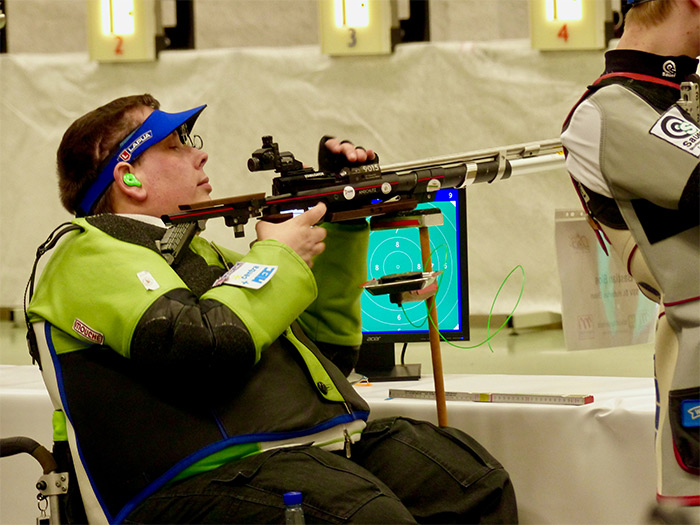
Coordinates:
[483,397]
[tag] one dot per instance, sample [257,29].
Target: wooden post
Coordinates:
[433,332]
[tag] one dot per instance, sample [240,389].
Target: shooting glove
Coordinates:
[330,162]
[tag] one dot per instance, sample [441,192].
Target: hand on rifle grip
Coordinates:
[298,233]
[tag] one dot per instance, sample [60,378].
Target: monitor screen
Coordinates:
[398,251]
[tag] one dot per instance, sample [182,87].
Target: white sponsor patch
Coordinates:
[669,69]
[675,128]
[433,185]
[88,333]
[247,275]
[149,283]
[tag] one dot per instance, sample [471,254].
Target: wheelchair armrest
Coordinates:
[20,444]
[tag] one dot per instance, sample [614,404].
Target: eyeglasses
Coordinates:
[194,141]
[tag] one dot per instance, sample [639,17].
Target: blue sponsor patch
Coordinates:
[264,274]
[247,275]
[690,413]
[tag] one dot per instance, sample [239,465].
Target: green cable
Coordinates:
[411,322]
[489,336]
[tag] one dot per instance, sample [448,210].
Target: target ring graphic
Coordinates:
[398,251]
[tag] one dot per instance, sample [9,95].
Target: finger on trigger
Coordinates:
[313,215]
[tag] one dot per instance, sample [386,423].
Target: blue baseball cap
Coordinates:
[155,128]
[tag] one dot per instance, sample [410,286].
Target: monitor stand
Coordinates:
[377,363]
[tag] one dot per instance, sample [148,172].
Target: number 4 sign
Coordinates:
[569,24]
[563,33]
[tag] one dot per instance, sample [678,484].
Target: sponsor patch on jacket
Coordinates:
[147,280]
[247,275]
[690,409]
[88,333]
[676,128]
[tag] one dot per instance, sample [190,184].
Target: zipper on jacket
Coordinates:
[223,260]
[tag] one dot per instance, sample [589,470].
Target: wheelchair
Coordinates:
[58,500]
[65,494]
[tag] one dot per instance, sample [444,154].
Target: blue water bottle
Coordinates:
[293,513]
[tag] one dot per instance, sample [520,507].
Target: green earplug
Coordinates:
[131,180]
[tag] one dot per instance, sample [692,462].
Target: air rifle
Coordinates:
[364,190]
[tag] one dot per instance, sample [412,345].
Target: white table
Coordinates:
[569,464]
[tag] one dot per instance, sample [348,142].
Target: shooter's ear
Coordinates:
[128,183]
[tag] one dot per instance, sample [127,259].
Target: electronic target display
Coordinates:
[398,251]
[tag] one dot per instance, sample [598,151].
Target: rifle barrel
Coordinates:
[515,151]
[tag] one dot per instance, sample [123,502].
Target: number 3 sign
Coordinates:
[355,27]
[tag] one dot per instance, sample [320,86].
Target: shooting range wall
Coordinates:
[425,100]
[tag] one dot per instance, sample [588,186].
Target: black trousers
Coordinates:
[401,471]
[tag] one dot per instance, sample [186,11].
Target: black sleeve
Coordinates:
[602,208]
[180,333]
[344,357]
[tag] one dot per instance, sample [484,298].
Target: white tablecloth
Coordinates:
[569,464]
